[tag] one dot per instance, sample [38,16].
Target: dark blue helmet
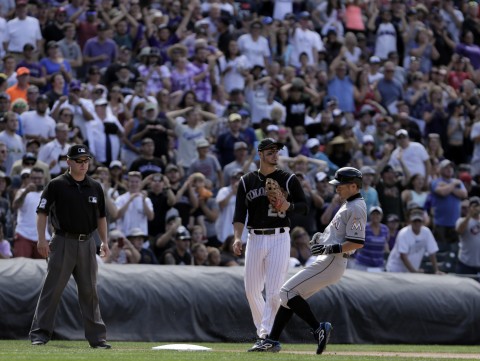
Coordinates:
[347,175]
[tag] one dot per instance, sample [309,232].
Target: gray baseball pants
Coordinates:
[77,258]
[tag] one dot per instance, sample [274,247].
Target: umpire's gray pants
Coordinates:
[67,257]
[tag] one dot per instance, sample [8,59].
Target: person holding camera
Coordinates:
[104,134]
[157,128]
[82,109]
[122,250]
[54,153]
[25,203]
[147,163]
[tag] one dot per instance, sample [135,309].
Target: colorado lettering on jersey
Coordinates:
[387,32]
[150,168]
[192,136]
[298,108]
[255,193]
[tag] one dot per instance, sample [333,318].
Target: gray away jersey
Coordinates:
[347,224]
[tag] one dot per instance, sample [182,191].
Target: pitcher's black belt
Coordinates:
[77,236]
[267,232]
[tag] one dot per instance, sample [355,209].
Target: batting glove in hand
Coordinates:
[316,238]
[322,249]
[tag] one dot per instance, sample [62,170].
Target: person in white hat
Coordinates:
[371,257]
[366,155]
[410,157]
[365,124]
[54,153]
[207,164]
[104,134]
[242,161]
[413,242]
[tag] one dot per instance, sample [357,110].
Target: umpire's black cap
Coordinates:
[77,151]
[347,175]
[269,143]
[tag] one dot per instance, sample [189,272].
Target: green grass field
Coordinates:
[139,351]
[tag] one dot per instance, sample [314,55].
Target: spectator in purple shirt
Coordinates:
[182,76]
[100,50]
[469,49]
[162,36]
[202,67]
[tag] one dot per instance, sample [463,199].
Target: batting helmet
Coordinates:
[347,175]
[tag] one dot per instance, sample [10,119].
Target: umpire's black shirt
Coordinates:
[72,206]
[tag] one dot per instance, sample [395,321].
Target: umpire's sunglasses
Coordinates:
[81,161]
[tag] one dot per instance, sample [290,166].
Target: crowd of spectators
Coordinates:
[172,96]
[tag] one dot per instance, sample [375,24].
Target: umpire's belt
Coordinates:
[268,231]
[77,236]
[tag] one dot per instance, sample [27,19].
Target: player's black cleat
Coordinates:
[322,336]
[266,345]
[257,342]
[101,345]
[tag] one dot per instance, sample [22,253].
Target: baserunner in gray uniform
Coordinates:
[344,234]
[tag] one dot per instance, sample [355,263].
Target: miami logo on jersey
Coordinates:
[357,224]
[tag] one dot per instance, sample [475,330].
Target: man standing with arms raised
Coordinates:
[268,244]
[75,206]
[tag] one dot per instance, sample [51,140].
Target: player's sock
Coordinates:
[302,309]
[281,319]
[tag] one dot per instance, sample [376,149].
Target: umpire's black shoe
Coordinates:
[322,336]
[38,343]
[101,345]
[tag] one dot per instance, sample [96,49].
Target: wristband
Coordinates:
[335,248]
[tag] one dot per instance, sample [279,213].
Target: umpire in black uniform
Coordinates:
[75,206]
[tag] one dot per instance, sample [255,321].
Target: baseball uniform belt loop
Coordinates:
[267,232]
[77,236]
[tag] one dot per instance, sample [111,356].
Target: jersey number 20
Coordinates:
[272,212]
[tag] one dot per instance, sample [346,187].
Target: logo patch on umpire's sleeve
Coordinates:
[43,203]
[92,199]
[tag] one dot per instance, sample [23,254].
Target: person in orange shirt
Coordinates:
[19,90]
